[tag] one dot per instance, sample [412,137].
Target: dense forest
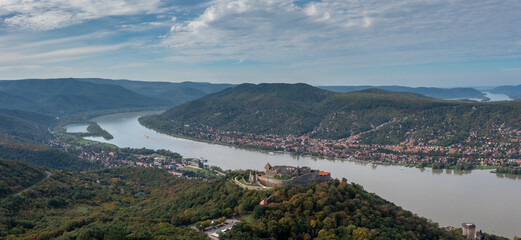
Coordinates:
[23,126]
[335,210]
[149,203]
[44,156]
[120,203]
[15,176]
[263,108]
[299,109]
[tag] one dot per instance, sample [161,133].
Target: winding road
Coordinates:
[48,175]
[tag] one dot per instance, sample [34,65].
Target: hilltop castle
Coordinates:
[288,175]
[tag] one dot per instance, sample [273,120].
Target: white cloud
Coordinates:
[373,31]
[31,67]
[18,42]
[145,26]
[14,58]
[52,14]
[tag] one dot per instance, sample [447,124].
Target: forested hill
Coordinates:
[23,126]
[337,210]
[66,96]
[149,203]
[264,108]
[439,93]
[46,156]
[302,109]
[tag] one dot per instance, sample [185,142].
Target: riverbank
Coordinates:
[461,166]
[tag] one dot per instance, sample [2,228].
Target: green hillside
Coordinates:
[149,203]
[13,101]
[17,176]
[120,203]
[337,210]
[263,108]
[23,126]
[42,155]
[381,116]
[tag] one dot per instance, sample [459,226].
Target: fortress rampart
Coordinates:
[288,175]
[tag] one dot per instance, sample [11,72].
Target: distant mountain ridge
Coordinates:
[65,96]
[302,109]
[513,92]
[439,93]
[175,92]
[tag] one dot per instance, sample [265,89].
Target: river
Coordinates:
[492,202]
[494,97]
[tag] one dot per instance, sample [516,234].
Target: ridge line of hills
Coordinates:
[298,109]
[179,92]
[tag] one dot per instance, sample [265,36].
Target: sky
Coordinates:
[441,43]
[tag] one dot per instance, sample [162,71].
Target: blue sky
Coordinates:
[349,42]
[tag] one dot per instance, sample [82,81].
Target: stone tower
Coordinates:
[253,177]
[469,230]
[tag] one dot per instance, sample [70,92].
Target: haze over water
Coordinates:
[447,197]
[494,97]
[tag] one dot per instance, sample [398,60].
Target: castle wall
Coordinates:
[303,180]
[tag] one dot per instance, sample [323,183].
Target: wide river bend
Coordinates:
[492,202]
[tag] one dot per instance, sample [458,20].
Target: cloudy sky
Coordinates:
[329,42]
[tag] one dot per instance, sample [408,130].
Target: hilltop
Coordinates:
[264,108]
